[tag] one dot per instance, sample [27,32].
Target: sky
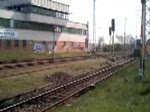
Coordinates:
[82,11]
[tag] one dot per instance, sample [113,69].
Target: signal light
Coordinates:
[113,25]
[110,31]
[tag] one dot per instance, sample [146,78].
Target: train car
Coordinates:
[137,47]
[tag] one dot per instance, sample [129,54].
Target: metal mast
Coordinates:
[94,26]
[147,19]
[143,36]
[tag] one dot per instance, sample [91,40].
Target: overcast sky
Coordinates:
[82,11]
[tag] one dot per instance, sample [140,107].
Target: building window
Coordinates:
[40,26]
[79,45]
[65,30]
[16,43]
[11,23]
[84,32]
[24,43]
[72,44]
[58,29]
[53,14]
[57,14]
[34,10]
[61,15]
[71,30]
[55,42]
[44,42]
[67,16]
[8,43]
[64,44]
[4,22]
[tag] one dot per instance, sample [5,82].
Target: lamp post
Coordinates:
[53,30]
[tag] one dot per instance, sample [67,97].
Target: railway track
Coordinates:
[36,91]
[19,64]
[24,63]
[13,66]
[38,70]
[60,94]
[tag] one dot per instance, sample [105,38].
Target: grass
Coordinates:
[124,92]
[16,85]
[10,86]
[21,56]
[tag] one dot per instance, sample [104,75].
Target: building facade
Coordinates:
[39,26]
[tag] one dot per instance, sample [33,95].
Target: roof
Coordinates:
[49,4]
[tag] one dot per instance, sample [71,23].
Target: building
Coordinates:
[39,26]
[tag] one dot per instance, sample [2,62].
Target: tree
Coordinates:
[129,42]
[120,39]
[100,43]
[125,41]
[117,48]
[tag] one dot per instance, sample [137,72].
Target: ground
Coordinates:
[16,84]
[125,92]
[22,56]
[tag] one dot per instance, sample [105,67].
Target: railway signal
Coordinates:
[110,38]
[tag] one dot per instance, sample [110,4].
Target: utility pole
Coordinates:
[94,25]
[136,32]
[87,36]
[147,19]
[53,29]
[143,38]
[125,34]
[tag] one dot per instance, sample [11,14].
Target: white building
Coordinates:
[37,25]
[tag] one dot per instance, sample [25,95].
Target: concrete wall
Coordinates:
[13,49]
[30,47]
[76,25]
[51,5]
[41,3]
[32,17]
[53,20]
[45,19]
[12,15]
[45,36]
[5,3]
[39,36]
[73,42]
[40,19]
